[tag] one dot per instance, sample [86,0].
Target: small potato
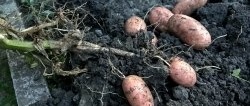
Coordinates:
[159,16]
[190,31]
[136,91]
[182,73]
[134,25]
[188,6]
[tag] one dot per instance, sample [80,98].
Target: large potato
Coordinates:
[134,25]
[182,73]
[159,16]
[137,92]
[188,6]
[190,31]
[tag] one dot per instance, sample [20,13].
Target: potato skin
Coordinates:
[188,6]
[182,73]
[159,17]
[134,25]
[190,31]
[136,91]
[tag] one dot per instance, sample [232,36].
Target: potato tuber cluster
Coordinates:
[178,23]
[186,28]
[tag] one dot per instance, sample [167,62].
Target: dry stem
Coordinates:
[93,48]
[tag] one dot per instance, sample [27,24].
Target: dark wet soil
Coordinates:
[215,87]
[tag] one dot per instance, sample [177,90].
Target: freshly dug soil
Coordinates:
[100,86]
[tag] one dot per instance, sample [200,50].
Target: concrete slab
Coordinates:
[29,84]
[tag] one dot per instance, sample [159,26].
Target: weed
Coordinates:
[236,73]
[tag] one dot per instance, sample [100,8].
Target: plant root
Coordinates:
[58,70]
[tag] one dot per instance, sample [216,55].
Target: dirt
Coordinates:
[227,20]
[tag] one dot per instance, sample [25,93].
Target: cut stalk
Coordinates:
[27,46]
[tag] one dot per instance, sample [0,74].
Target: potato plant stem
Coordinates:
[87,47]
[93,48]
[26,46]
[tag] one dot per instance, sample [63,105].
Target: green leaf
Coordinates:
[236,73]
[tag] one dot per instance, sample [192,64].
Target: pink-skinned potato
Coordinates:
[134,25]
[187,7]
[136,91]
[190,31]
[182,73]
[158,17]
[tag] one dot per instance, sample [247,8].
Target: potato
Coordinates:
[188,6]
[181,72]
[159,16]
[134,25]
[136,91]
[190,31]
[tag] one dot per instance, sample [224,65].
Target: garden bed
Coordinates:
[228,22]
